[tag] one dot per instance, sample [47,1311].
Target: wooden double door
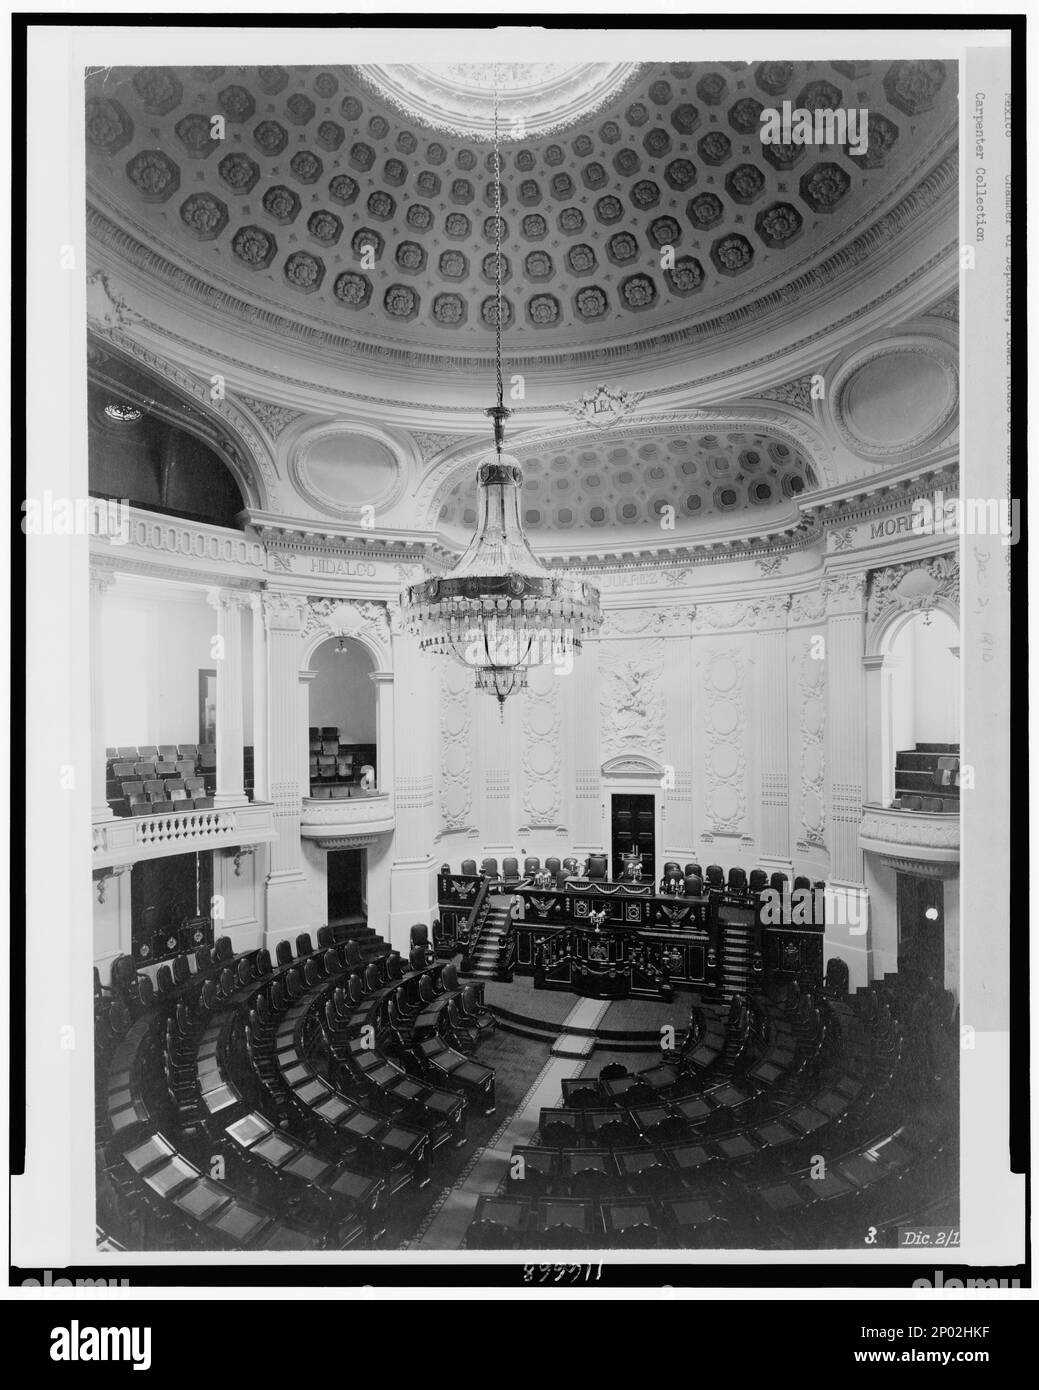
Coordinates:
[633,818]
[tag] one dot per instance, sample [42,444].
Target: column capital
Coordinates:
[381,677]
[101,579]
[845,593]
[305,677]
[282,612]
[228,599]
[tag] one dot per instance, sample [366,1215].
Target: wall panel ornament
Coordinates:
[723,684]
[807,608]
[542,756]
[456,752]
[634,622]
[812,702]
[631,701]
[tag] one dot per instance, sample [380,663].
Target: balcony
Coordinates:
[912,840]
[348,821]
[127,839]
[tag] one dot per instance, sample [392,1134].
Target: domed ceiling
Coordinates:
[339,203]
[630,481]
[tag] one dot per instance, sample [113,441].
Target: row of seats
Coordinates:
[932,804]
[147,779]
[717,1145]
[327,1152]
[146,798]
[692,878]
[334,762]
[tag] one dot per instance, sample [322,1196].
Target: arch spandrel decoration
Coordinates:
[368,623]
[896,592]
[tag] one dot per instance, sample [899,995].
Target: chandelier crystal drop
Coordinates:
[500,611]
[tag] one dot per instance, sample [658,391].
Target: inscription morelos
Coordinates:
[891,526]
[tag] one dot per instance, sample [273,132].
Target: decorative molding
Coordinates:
[934,579]
[456,755]
[275,419]
[911,841]
[431,443]
[724,706]
[542,751]
[844,592]
[239,855]
[812,707]
[101,879]
[368,623]
[283,612]
[935,350]
[796,393]
[603,408]
[947,308]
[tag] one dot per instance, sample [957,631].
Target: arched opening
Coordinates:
[343,720]
[919,744]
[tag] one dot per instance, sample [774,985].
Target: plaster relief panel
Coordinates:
[542,750]
[723,683]
[812,704]
[456,752]
[631,700]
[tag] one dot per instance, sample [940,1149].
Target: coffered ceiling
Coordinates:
[320,205]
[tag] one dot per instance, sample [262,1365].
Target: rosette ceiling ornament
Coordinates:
[500,611]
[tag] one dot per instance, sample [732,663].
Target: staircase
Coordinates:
[483,954]
[737,945]
[369,942]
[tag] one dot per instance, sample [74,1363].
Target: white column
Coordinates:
[775,751]
[384,760]
[408,717]
[100,581]
[261,787]
[847,903]
[230,785]
[587,760]
[286,882]
[302,740]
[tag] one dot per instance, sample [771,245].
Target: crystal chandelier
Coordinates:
[500,611]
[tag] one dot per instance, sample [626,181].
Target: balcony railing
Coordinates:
[926,837]
[129,838]
[368,815]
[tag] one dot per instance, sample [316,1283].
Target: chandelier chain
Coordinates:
[497,253]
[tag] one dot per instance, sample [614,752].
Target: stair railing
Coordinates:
[469,937]
[507,951]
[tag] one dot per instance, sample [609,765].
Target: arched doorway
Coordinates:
[343,720]
[914,696]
